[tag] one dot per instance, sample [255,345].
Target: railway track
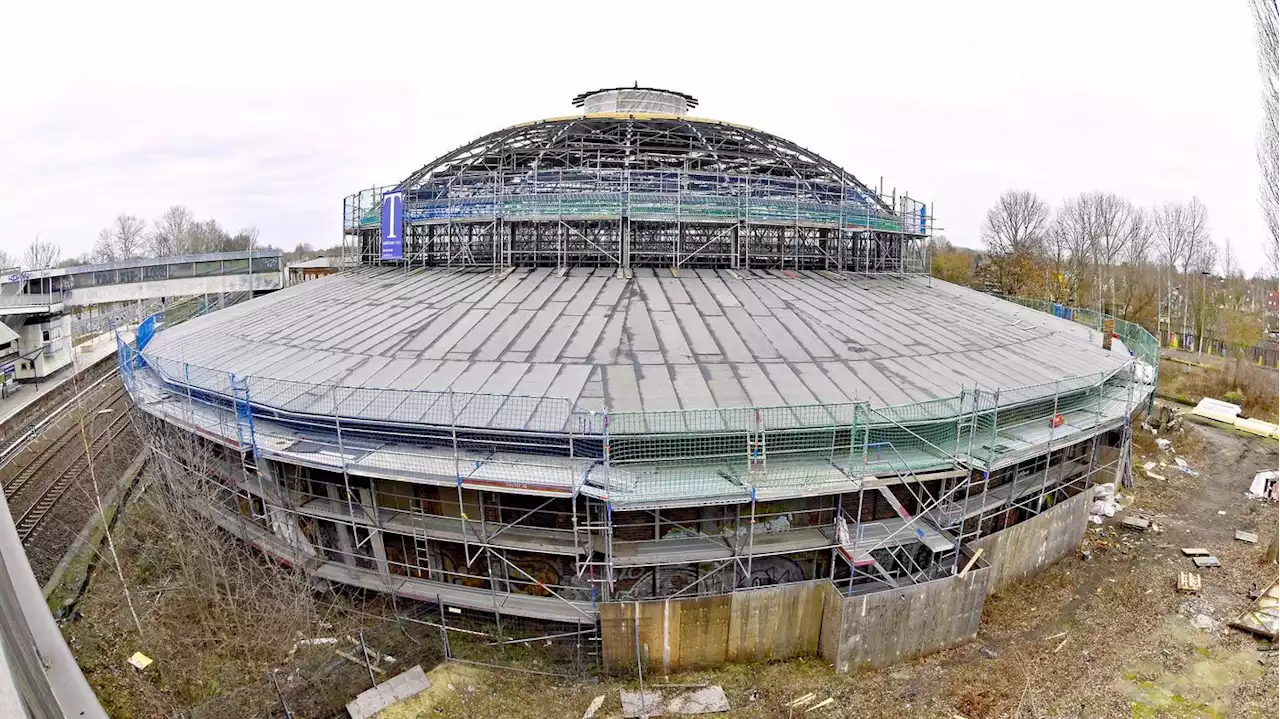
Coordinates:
[33,468]
[31,519]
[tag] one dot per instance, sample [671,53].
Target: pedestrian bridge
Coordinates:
[67,288]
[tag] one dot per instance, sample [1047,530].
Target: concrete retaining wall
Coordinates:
[1024,549]
[775,622]
[891,626]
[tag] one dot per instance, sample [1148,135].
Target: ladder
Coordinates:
[247,442]
[587,534]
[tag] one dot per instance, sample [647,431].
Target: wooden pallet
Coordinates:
[1189,582]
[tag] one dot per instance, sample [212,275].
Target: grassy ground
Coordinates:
[1186,378]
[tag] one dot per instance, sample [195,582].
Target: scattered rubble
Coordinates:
[1164,419]
[1207,561]
[1250,537]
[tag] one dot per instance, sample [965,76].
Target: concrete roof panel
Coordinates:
[660,340]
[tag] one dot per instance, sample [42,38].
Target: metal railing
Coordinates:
[31,300]
[646,194]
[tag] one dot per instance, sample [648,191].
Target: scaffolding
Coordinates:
[634,190]
[413,494]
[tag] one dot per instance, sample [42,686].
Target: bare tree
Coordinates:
[1141,241]
[129,236]
[170,233]
[1014,233]
[104,248]
[1180,230]
[245,239]
[1114,223]
[1266,20]
[7,261]
[41,255]
[207,236]
[1230,265]
[1077,231]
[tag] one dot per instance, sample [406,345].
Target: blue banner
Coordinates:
[146,331]
[393,226]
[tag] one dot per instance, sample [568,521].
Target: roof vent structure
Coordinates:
[635,99]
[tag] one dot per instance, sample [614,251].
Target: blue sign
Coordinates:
[146,331]
[393,226]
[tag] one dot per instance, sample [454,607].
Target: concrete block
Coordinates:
[396,689]
[638,704]
[707,700]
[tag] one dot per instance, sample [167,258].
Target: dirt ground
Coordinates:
[1102,633]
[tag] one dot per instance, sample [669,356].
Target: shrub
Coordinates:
[1234,396]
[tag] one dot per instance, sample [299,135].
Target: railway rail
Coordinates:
[39,428]
[31,519]
[101,396]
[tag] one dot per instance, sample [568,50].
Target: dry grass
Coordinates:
[1253,388]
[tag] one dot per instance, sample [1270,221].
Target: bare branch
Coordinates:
[41,255]
[1266,20]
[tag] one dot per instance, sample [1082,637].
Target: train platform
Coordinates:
[28,392]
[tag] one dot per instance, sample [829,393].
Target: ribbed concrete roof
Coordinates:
[657,341]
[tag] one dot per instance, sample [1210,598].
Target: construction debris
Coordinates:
[317,642]
[1164,444]
[1217,410]
[1263,616]
[1138,524]
[593,707]
[649,703]
[802,700]
[1250,537]
[1209,561]
[140,661]
[641,704]
[1265,485]
[819,705]
[1164,419]
[1195,552]
[1189,582]
[707,700]
[396,689]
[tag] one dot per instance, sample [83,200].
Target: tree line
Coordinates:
[1158,266]
[175,232]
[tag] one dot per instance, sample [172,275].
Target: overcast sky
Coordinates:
[256,114]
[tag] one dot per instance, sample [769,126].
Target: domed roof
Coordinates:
[637,142]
